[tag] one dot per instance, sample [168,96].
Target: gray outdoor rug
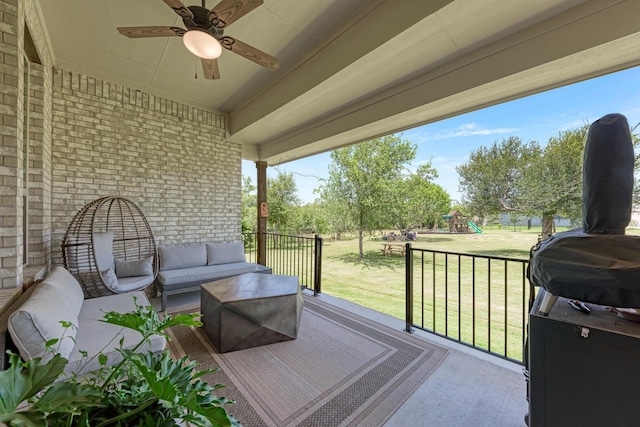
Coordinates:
[342,370]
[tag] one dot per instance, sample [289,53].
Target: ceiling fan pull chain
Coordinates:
[197,65]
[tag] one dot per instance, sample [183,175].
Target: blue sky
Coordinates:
[449,142]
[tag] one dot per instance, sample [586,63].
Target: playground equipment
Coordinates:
[475,227]
[458,223]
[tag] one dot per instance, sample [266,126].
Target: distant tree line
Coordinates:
[527,179]
[370,187]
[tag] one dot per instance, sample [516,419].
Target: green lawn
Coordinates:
[478,302]
[378,282]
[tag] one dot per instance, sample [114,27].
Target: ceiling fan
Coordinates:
[204,35]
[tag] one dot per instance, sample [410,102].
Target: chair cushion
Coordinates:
[173,257]
[134,283]
[103,250]
[225,253]
[133,268]
[200,274]
[95,336]
[58,298]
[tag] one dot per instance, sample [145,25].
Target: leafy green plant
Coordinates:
[141,390]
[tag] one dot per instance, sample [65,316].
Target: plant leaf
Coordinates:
[22,380]
[146,321]
[70,398]
[28,418]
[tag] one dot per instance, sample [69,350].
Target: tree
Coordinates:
[282,200]
[361,178]
[491,181]
[554,181]
[249,210]
[523,178]
[310,218]
[419,201]
[336,213]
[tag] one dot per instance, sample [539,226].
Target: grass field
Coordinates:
[470,299]
[466,312]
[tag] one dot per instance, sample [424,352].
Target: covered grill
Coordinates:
[597,264]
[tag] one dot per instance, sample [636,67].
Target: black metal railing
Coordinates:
[478,300]
[291,255]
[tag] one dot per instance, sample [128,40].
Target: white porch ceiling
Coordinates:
[351,70]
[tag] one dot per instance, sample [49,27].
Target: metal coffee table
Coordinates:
[250,310]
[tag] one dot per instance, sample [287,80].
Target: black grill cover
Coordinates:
[600,269]
[597,264]
[607,176]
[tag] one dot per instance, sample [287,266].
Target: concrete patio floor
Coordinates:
[470,387]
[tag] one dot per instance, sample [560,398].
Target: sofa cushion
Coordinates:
[133,268]
[173,257]
[5,341]
[202,274]
[127,284]
[58,298]
[225,253]
[95,336]
[103,250]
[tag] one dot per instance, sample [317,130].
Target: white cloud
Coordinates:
[574,124]
[471,129]
[418,136]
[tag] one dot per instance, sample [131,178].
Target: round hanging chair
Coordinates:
[109,248]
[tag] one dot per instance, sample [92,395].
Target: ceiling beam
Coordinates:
[584,27]
[375,24]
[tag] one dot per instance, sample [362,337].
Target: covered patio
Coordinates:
[469,387]
[87,112]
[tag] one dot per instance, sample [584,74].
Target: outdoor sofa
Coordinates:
[35,318]
[184,267]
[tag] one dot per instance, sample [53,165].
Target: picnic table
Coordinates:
[389,248]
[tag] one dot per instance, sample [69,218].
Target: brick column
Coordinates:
[11,99]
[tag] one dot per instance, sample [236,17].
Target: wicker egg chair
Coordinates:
[109,248]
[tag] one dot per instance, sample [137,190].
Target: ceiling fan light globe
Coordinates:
[201,44]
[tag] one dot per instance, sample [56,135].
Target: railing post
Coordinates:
[317,264]
[409,288]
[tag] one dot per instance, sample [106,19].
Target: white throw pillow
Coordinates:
[134,268]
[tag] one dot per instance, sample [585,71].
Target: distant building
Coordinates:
[536,221]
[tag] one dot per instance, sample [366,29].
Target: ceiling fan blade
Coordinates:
[210,69]
[229,11]
[251,53]
[140,32]
[179,8]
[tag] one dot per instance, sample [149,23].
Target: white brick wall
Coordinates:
[169,158]
[14,15]
[90,138]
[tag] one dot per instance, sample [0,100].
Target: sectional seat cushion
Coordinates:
[167,278]
[174,257]
[225,253]
[58,298]
[95,336]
